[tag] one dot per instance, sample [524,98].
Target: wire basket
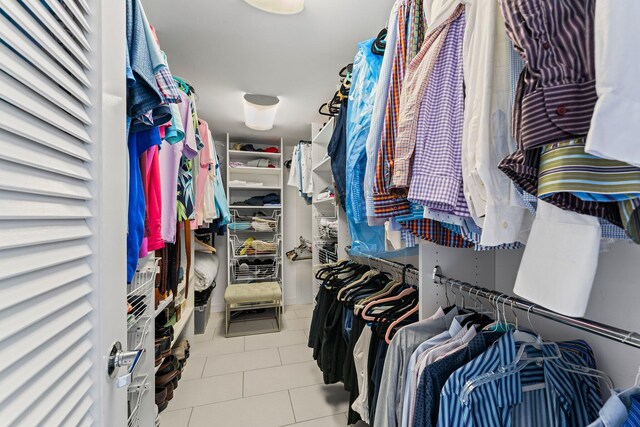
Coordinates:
[140,294]
[327,228]
[254,223]
[267,271]
[326,255]
[136,391]
[248,248]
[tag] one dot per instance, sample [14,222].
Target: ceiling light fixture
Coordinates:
[260,111]
[281,7]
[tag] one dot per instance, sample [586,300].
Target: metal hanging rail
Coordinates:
[397,267]
[626,337]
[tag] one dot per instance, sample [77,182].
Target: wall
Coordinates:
[613,300]
[217,303]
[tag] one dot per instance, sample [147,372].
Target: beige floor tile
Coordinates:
[207,336]
[194,368]
[279,378]
[239,362]
[319,401]
[304,313]
[289,313]
[205,391]
[269,410]
[296,324]
[337,420]
[217,346]
[175,418]
[299,306]
[295,354]
[278,339]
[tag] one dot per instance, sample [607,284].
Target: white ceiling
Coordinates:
[226,48]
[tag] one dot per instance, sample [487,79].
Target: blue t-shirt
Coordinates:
[139,142]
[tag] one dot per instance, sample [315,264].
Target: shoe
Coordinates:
[162,349]
[169,369]
[161,395]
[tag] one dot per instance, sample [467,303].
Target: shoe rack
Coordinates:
[140,336]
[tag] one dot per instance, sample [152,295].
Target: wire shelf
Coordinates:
[136,391]
[140,294]
[254,223]
[254,248]
[268,271]
[326,256]
[327,228]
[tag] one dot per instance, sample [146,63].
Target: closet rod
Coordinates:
[399,267]
[611,332]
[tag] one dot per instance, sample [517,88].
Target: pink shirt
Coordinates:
[205,160]
[170,155]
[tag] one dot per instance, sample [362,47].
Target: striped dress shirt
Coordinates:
[566,400]
[554,102]
[379,109]
[385,204]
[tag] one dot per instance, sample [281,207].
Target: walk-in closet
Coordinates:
[319,213]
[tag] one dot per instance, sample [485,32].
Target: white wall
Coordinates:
[614,299]
[217,303]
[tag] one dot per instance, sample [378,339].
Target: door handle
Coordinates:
[119,358]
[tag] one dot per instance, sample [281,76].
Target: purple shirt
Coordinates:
[436,181]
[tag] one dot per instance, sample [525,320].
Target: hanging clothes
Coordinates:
[366,67]
[337,150]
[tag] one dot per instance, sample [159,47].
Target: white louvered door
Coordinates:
[62,211]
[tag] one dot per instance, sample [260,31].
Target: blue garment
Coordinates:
[139,142]
[222,206]
[503,402]
[633,420]
[366,71]
[337,150]
[143,95]
[376,377]
[435,375]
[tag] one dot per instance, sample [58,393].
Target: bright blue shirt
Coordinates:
[138,143]
[366,71]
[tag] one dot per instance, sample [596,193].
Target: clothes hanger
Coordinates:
[380,43]
[397,301]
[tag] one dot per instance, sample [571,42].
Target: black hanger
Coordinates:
[380,43]
[347,69]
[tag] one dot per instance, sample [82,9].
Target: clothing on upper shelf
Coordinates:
[250,147]
[271,199]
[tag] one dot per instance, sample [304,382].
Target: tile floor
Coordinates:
[267,380]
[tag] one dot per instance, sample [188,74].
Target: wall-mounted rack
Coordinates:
[620,335]
[412,273]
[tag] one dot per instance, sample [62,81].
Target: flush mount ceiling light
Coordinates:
[282,7]
[260,111]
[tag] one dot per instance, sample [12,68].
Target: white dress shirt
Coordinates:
[486,137]
[615,124]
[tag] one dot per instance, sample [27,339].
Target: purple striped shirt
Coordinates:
[436,181]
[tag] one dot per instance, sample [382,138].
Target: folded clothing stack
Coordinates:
[271,199]
[250,147]
[325,194]
[252,246]
[263,224]
[328,229]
